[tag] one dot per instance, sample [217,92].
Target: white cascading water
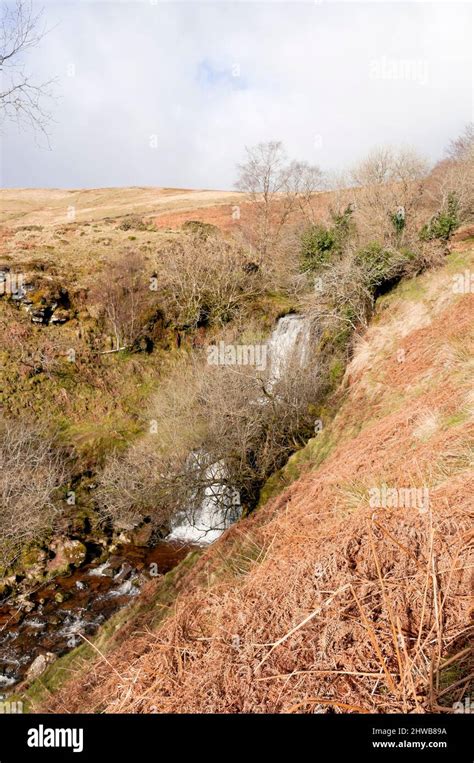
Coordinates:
[215,508]
[289,343]
[218,505]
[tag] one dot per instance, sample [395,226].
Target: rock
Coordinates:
[40,315]
[60,316]
[35,572]
[32,563]
[68,553]
[114,563]
[7,584]
[23,602]
[124,572]
[31,556]
[102,570]
[49,302]
[122,539]
[141,536]
[39,665]
[14,616]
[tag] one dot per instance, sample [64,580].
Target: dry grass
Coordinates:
[27,206]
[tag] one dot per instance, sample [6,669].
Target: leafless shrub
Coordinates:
[388,196]
[123,295]
[128,485]
[254,424]
[205,281]
[455,176]
[461,149]
[32,470]
[341,299]
[148,477]
[236,416]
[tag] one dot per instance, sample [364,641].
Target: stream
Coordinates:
[57,612]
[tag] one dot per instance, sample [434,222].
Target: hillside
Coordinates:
[234,442]
[25,206]
[348,590]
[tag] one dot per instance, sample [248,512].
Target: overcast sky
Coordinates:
[170,93]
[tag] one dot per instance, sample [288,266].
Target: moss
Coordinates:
[311,456]
[458,260]
[269,307]
[336,371]
[451,676]
[412,289]
[53,677]
[30,556]
[76,553]
[457,418]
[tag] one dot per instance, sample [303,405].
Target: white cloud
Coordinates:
[305,70]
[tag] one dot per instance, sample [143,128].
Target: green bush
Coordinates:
[319,243]
[398,220]
[199,228]
[443,224]
[381,265]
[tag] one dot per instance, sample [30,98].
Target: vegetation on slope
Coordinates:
[106,351]
[327,600]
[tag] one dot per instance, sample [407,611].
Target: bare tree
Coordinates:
[21,96]
[462,148]
[453,177]
[233,418]
[388,192]
[276,189]
[205,281]
[122,293]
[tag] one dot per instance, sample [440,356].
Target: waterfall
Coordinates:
[289,343]
[214,507]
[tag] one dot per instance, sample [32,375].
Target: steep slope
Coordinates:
[350,590]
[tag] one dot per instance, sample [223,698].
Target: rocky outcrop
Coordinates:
[47,303]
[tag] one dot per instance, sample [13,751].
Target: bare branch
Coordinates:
[21,97]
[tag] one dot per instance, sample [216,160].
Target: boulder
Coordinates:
[60,316]
[39,665]
[68,553]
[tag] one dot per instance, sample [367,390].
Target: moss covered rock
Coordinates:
[68,553]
